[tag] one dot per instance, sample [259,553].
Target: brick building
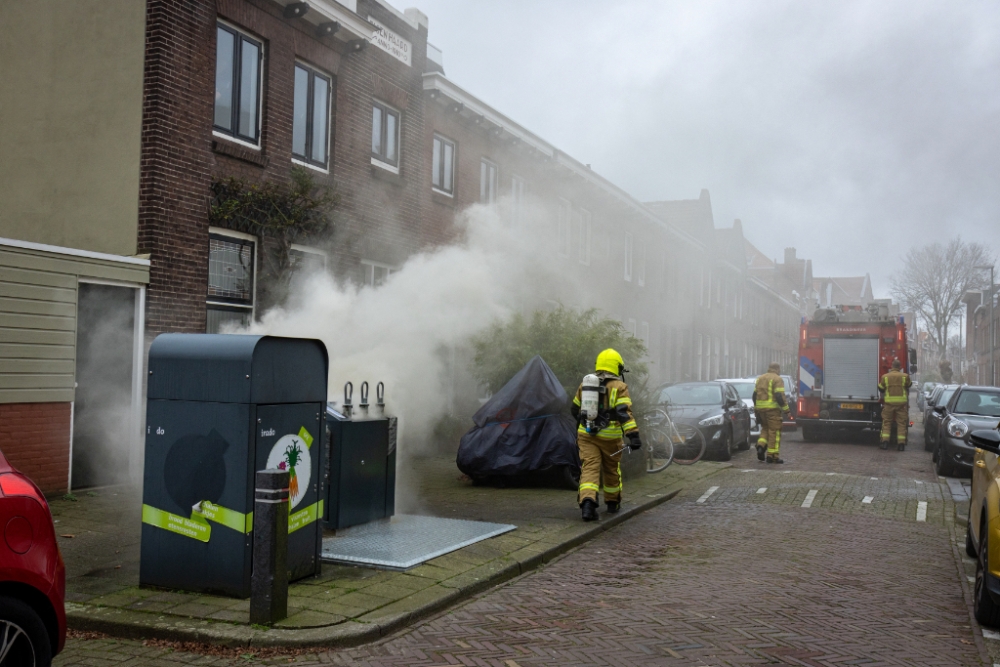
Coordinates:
[350,93]
[977,366]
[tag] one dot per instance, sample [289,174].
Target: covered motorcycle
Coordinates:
[524,433]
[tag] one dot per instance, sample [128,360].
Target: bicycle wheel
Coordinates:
[658,450]
[689,443]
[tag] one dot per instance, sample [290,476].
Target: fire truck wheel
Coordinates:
[810,434]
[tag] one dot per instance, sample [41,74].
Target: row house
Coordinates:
[118,161]
[978,367]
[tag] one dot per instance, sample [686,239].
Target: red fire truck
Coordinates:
[843,353]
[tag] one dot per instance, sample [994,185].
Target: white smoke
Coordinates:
[400,332]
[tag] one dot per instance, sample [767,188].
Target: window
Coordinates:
[630,327]
[641,266]
[376,273]
[628,256]
[305,259]
[516,201]
[230,282]
[644,333]
[586,230]
[487,182]
[311,116]
[237,84]
[564,228]
[443,165]
[385,135]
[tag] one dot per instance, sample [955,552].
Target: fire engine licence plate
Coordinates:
[852,406]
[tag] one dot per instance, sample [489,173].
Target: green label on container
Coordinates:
[306,436]
[196,527]
[305,516]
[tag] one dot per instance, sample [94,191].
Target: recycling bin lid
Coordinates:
[237,368]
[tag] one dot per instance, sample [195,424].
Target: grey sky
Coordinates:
[850,130]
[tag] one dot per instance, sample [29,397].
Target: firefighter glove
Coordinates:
[634,442]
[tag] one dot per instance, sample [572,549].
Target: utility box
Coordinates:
[362,479]
[221,407]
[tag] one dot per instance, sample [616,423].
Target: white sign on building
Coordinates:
[391,43]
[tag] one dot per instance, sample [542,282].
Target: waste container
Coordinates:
[362,480]
[220,407]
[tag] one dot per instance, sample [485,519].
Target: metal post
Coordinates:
[269,580]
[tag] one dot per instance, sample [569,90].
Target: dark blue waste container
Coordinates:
[220,407]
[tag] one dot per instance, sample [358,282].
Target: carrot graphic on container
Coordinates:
[292,455]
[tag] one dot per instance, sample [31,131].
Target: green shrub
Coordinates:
[567,340]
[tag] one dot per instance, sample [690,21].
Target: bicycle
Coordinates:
[669,442]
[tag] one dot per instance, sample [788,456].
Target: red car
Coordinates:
[32,575]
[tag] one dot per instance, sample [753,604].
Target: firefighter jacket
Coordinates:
[769,392]
[615,404]
[895,385]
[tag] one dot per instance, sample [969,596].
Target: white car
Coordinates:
[744,387]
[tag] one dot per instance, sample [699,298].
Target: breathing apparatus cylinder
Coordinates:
[590,399]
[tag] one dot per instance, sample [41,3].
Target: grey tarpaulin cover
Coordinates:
[524,428]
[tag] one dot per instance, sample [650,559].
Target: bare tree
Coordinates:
[934,279]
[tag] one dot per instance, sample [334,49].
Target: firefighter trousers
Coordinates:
[899,413]
[598,457]
[770,430]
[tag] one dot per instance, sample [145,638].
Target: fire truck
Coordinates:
[843,353]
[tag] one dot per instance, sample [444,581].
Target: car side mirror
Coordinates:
[986,439]
[939,409]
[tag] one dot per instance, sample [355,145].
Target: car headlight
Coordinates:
[957,428]
[712,421]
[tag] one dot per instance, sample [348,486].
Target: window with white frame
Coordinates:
[585,225]
[443,165]
[303,259]
[487,182]
[628,256]
[376,273]
[640,272]
[311,116]
[238,60]
[516,201]
[230,297]
[385,134]
[630,327]
[563,231]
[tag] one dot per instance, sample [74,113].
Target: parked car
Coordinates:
[32,575]
[970,409]
[932,418]
[791,393]
[983,528]
[745,388]
[714,408]
[924,394]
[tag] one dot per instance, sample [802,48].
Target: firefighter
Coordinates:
[600,445]
[769,403]
[895,389]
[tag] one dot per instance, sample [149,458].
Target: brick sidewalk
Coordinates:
[740,578]
[345,604]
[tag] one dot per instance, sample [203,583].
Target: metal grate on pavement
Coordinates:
[405,540]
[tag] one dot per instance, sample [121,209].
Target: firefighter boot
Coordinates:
[613,507]
[774,459]
[884,445]
[589,509]
[901,446]
[761,452]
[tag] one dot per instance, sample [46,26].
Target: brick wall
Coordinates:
[34,437]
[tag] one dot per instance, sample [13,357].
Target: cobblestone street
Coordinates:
[844,556]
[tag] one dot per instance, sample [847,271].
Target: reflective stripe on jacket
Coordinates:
[895,384]
[616,396]
[768,386]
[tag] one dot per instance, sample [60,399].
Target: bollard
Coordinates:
[269,580]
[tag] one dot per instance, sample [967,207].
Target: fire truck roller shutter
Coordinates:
[850,368]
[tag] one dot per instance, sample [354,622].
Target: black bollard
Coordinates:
[269,580]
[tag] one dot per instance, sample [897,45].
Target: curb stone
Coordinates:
[375,624]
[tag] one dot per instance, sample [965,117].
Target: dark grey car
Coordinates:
[714,408]
[970,409]
[932,417]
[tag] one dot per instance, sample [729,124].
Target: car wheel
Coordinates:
[745,445]
[986,610]
[726,453]
[970,547]
[23,638]
[928,445]
[941,465]
[571,477]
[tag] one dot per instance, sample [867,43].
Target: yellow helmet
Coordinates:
[609,360]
